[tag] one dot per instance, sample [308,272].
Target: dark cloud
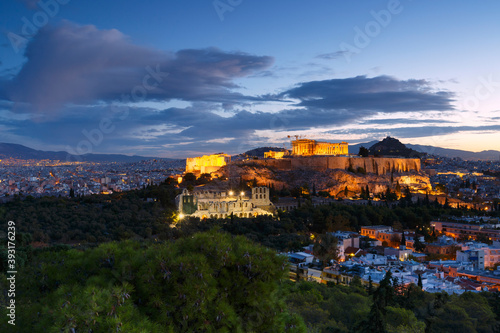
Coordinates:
[198,125]
[200,128]
[81,64]
[193,130]
[243,124]
[364,95]
[70,65]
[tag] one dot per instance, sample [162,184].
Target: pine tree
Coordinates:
[398,187]
[419,283]
[375,323]
[370,285]
[426,200]
[408,194]
[254,182]
[417,244]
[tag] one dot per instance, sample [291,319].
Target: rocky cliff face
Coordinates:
[332,180]
[376,165]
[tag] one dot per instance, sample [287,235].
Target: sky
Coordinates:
[185,78]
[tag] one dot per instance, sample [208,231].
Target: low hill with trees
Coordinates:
[393,147]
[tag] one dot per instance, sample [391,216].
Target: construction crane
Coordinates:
[295,136]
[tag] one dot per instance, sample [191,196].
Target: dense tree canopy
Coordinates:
[337,308]
[205,283]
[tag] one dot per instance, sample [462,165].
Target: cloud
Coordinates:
[82,64]
[364,95]
[204,127]
[181,132]
[71,68]
[405,121]
[333,55]
[418,132]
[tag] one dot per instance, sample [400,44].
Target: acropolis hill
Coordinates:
[331,173]
[326,165]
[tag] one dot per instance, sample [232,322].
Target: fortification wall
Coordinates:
[376,165]
[280,164]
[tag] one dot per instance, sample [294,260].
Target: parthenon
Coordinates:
[306,147]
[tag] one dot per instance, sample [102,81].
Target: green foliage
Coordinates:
[417,244]
[326,309]
[189,177]
[208,282]
[361,170]
[348,309]
[452,318]
[94,219]
[323,194]
[363,151]
[326,248]
[400,320]
[283,234]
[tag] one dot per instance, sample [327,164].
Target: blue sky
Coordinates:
[183,78]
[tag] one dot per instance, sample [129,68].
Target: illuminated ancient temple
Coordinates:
[306,147]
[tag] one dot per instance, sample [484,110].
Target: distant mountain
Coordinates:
[393,147]
[354,149]
[485,155]
[11,150]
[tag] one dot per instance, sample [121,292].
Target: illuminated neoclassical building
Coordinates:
[207,163]
[306,147]
[221,204]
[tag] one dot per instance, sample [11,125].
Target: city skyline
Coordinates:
[178,80]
